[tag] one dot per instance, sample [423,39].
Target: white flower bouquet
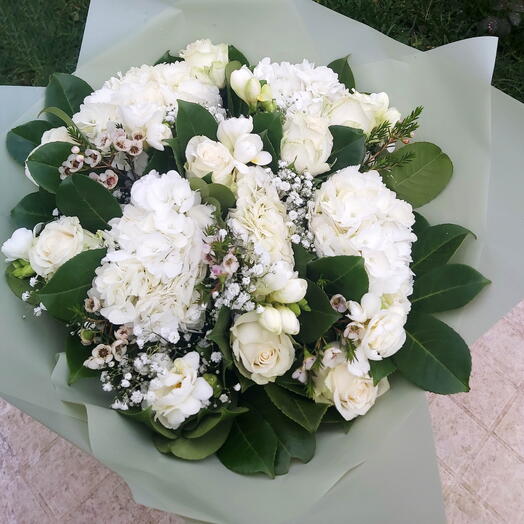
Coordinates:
[234,251]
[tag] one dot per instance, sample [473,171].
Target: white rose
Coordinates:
[384,335]
[307,143]
[294,291]
[19,245]
[206,156]
[207,60]
[362,111]
[352,395]
[178,392]
[260,354]
[58,242]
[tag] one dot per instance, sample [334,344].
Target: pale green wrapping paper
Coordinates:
[384,469]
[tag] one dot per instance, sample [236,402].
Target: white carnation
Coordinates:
[19,245]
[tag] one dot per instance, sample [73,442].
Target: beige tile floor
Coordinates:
[479,439]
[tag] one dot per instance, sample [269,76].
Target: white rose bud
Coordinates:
[289,321]
[260,354]
[352,395]
[204,58]
[294,291]
[271,320]
[19,245]
[245,85]
[384,335]
[206,156]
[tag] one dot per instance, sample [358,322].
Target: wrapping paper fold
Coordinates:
[385,467]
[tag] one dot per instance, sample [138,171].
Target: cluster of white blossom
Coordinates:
[154,260]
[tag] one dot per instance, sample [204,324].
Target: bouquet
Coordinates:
[234,250]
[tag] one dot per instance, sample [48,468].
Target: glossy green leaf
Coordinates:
[178,153]
[220,335]
[221,193]
[272,123]
[289,383]
[303,411]
[19,286]
[212,420]
[434,356]
[446,287]
[345,75]
[43,164]
[147,417]
[194,120]
[294,442]
[423,178]
[21,140]
[314,323]
[334,418]
[341,274]
[436,245]
[76,355]
[302,258]
[251,446]
[83,197]
[268,146]
[349,147]
[420,224]
[161,161]
[235,55]
[168,58]
[65,292]
[66,92]
[381,369]
[33,209]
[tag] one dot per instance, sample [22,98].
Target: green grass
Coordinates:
[38,37]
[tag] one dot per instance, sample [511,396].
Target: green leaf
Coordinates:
[178,153]
[66,92]
[19,286]
[147,417]
[33,209]
[235,55]
[67,289]
[221,193]
[333,417]
[220,334]
[194,120]
[168,58]
[436,245]
[43,164]
[446,287]
[434,356]
[196,448]
[76,355]
[342,274]
[268,146]
[423,178]
[21,140]
[349,147]
[381,369]
[161,161]
[251,446]
[83,197]
[420,224]
[302,258]
[293,440]
[303,411]
[209,422]
[289,383]
[345,75]
[272,123]
[314,323]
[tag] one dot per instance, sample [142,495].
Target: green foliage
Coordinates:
[161,161]
[83,197]
[303,411]
[211,421]
[220,335]
[19,286]
[21,140]
[34,208]
[314,323]
[342,69]
[66,92]
[420,224]
[342,274]
[147,417]
[446,287]
[251,446]
[194,120]
[423,178]
[218,195]
[436,245]
[76,355]
[381,369]
[168,58]
[302,258]
[65,292]
[334,418]
[434,357]
[43,164]
[235,55]
[272,123]
[349,147]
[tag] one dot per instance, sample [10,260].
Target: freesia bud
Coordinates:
[245,85]
[294,291]
[271,320]
[290,323]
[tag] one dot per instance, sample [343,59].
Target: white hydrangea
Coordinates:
[154,260]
